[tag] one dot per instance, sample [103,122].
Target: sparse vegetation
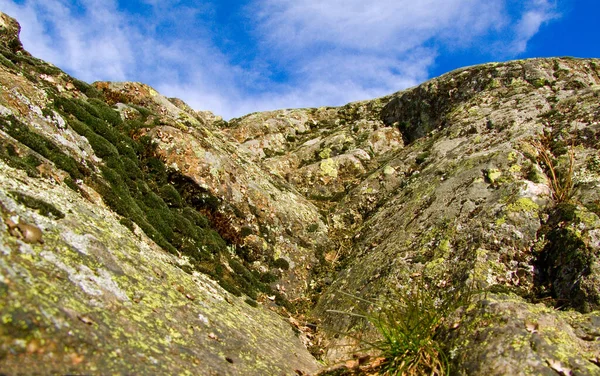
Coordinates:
[410,324]
[560,181]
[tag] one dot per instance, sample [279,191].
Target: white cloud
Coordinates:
[352,49]
[95,45]
[538,13]
[97,41]
[330,52]
[393,25]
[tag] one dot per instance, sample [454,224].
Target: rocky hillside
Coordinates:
[141,236]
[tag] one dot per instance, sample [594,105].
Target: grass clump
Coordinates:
[560,180]
[411,325]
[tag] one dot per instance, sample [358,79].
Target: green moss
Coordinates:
[42,207]
[194,216]
[7,63]
[127,223]
[492,175]
[565,211]
[524,204]
[43,146]
[102,147]
[534,175]
[105,112]
[87,89]
[250,282]
[69,182]
[228,286]
[27,64]
[281,263]
[422,157]
[593,163]
[313,227]
[594,207]
[539,82]
[144,112]
[136,184]
[170,195]
[27,163]
[268,277]
[325,153]
[329,167]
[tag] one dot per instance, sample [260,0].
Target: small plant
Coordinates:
[561,184]
[410,325]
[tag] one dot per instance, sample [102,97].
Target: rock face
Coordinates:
[141,236]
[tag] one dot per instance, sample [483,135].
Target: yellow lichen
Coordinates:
[493,175]
[515,168]
[325,153]
[524,204]
[329,168]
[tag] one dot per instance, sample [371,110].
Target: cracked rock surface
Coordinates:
[140,236]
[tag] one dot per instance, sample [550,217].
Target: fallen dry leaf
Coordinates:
[86,320]
[558,367]
[532,327]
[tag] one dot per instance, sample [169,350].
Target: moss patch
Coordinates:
[43,146]
[42,207]
[26,162]
[170,208]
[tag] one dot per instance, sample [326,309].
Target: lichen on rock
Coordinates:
[141,236]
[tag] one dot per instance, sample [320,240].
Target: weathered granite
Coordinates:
[305,212]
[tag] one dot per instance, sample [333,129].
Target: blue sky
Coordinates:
[236,57]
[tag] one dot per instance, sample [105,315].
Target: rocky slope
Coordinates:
[141,236]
